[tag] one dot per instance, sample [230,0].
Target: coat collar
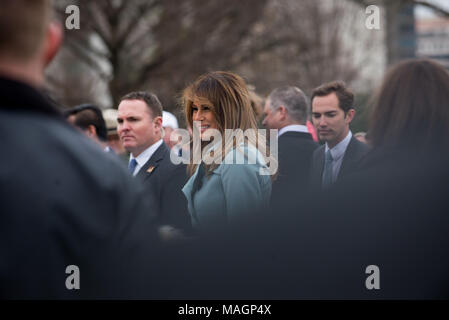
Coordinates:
[20,97]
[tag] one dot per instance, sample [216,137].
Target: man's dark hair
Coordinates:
[88,114]
[150,100]
[344,94]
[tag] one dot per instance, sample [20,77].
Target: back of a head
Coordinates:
[22,28]
[411,106]
[86,115]
[294,100]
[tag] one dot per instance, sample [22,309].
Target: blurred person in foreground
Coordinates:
[64,202]
[230,187]
[361,136]
[379,233]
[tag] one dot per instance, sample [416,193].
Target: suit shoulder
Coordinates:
[359,147]
[318,151]
[169,165]
[170,170]
[311,144]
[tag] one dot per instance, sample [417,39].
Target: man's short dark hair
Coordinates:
[150,100]
[88,114]
[344,94]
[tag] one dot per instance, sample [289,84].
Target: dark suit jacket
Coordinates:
[295,156]
[63,202]
[165,180]
[355,152]
[392,214]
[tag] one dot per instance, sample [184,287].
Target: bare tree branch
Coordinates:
[84,57]
[142,10]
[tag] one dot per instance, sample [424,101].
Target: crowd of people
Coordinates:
[243,214]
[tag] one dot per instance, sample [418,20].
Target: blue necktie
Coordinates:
[327,172]
[132,166]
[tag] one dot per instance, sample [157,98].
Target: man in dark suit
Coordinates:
[332,112]
[68,211]
[140,129]
[286,110]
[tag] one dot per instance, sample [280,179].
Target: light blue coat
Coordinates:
[231,192]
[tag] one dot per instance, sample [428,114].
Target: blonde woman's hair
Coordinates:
[226,94]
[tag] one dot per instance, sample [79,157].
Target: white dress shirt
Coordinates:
[338,152]
[145,156]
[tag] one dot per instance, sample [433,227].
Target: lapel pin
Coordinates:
[150,169]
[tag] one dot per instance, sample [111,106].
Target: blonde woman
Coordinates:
[231,183]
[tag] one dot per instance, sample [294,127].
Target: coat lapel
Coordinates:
[189,191]
[350,158]
[151,165]
[319,166]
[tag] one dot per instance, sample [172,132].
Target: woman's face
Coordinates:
[203,114]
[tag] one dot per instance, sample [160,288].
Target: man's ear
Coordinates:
[158,122]
[53,41]
[349,115]
[91,131]
[282,113]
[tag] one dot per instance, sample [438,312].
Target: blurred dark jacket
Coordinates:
[63,202]
[392,213]
[295,151]
[164,180]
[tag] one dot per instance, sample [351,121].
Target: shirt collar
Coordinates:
[294,128]
[146,154]
[339,150]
